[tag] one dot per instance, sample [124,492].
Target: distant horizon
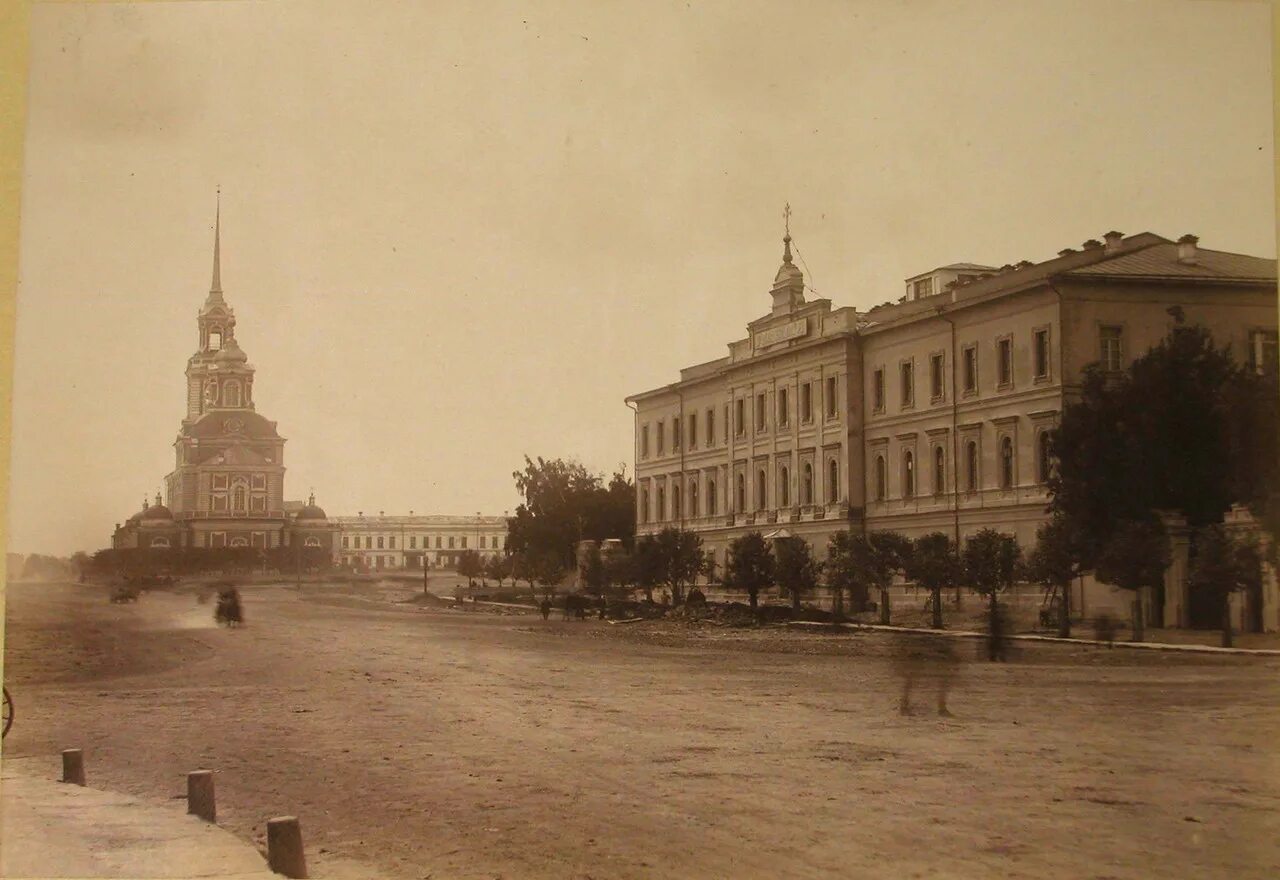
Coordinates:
[453,236]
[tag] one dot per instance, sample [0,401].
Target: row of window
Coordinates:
[388,542]
[759,489]
[972,476]
[761,423]
[1040,364]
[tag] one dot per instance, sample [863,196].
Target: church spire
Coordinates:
[216,286]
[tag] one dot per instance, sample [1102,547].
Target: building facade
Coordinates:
[371,543]
[931,413]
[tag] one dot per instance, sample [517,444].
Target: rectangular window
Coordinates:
[877,390]
[219,502]
[711,427]
[464,542]
[368,543]
[260,482]
[693,430]
[970,369]
[726,424]
[381,545]
[1111,348]
[908,371]
[1041,353]
[219,481]
[644,441]
[784,417]
[831,397]
[806,402]
[219,539]
[1004,362]
[662,437]
[391,543]
[258,503]
[413,542]
[761,412]
[675,434]
[923,287]
[739,417]
[346,542]
[438,542]
[450,542]
[1264,351]
[936,385]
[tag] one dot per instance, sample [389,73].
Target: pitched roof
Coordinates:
[1161,261]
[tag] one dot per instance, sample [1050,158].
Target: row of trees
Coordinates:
[198,560]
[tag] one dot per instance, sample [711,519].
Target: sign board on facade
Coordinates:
[781,333]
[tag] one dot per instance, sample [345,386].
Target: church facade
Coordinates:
[227,485]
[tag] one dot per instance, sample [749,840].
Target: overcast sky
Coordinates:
[457,233]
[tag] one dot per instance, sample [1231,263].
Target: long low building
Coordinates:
[390,541]
[930,413]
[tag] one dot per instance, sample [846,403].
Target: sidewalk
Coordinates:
[50,829]
[1030,637]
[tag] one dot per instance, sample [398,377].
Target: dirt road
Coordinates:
[421,743]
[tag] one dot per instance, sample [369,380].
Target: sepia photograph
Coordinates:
[621,440]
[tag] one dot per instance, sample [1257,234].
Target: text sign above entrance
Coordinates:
[774,335]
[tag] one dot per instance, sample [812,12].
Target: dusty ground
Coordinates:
[425,743]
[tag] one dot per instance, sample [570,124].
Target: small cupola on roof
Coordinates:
[788,283]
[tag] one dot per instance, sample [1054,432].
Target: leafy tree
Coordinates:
[934,563]
[591,568]
[548,571]
[795,569]
[841,573]
[877,557]
[566,504]
[470,566]
[619,568]
[522,568]
[1135,556]
[647,565]
[1225,564]
[750,565]
[991,562]
[679,560]
[1055,562]
[498,567]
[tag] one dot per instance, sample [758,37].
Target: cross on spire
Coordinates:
[786,238]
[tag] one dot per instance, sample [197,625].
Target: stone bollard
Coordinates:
[284,847]
[73,766]
[200,800]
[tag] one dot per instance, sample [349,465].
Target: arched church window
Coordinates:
[742,493]
[239,542]
[693,497]
[215,339]
[1006,463]
[711,497]
[159,542]
[312,542]
[784,487]
[762,488]
[833,481]
[807,485]
[231,393]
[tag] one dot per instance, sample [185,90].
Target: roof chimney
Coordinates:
[1187,250]
[1091,243]
[1066,252]
[1113,240]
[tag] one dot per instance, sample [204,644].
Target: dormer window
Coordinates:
[922,288]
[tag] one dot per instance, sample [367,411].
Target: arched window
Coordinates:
[1006,463]
[675,501]
[908,474]
[742,493]
[239,499]
[313,541]
[971,458]
[784,487]
[231,393]
[159,542]
[807,486]
[1044,462]
[693,497]
[762,491]
[644,505]
[215,339]
[881,478]
[239,542]
[833,481]
[662,504]
[711,497]
[939,470]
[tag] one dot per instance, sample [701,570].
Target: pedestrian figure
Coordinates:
[545,608]
[229,611]
[603,606]
[927,659]
[1104,629]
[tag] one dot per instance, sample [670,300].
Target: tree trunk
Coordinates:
[795,599]
[1226,620]
[884,606]
[957,596]
[1064,613]
[1139,632]
[936,594]
[837,602]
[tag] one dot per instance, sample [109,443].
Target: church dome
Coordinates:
[157,511]
[311,511]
